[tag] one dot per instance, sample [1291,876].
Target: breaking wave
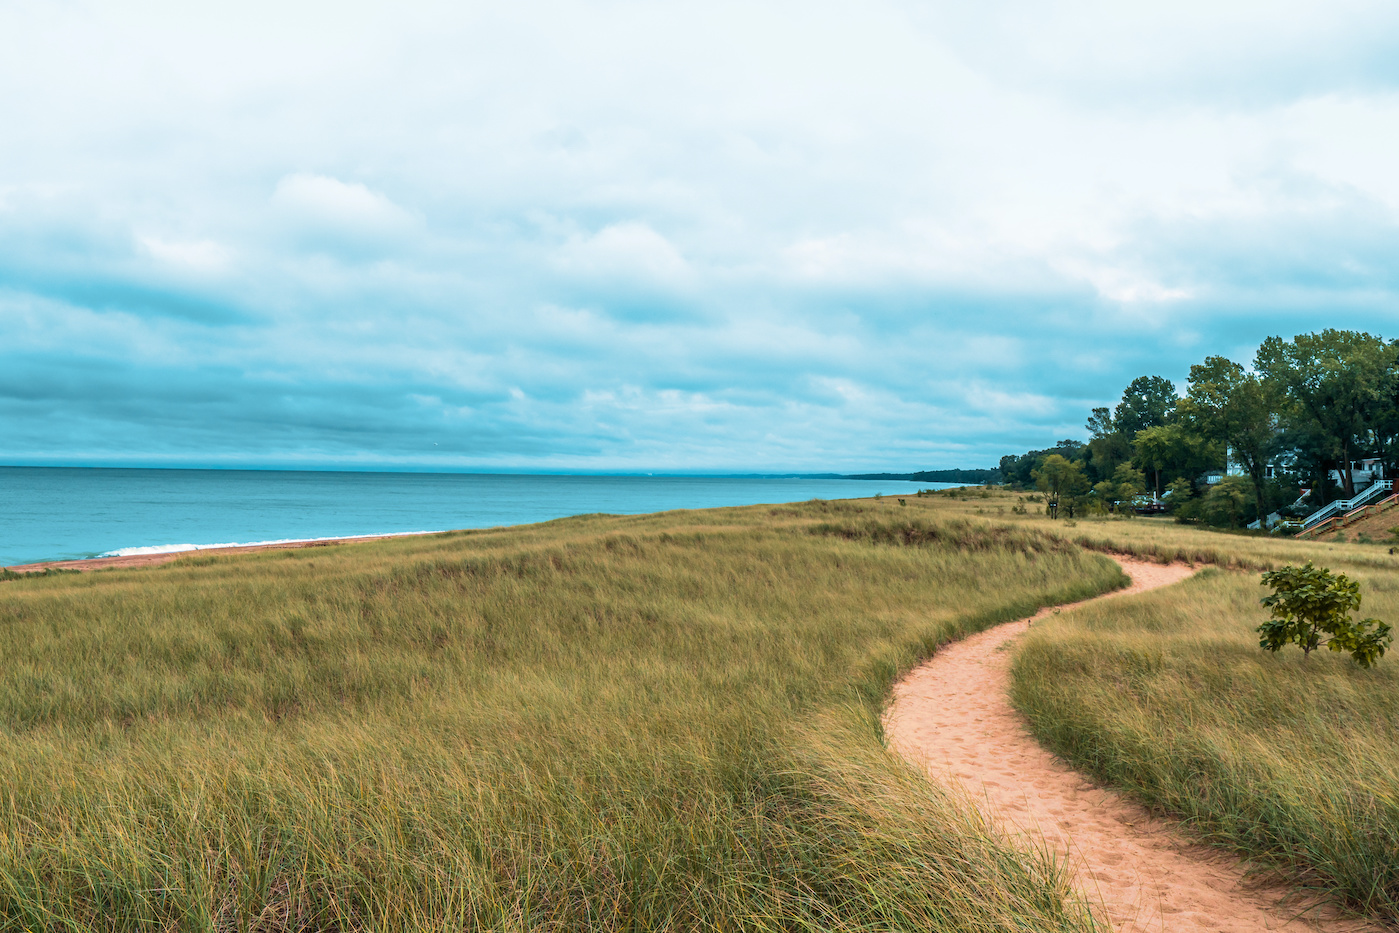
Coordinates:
[177,548]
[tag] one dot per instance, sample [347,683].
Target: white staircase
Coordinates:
[1341,506]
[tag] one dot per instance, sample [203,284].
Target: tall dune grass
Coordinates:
[1292,762]
[1158,539]
[658,722]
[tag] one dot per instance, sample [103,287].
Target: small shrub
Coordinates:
[1308,602]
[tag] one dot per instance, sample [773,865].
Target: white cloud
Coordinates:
[321,200]
[196,255]
[624,251]
[1123,285]
[741,223]
[986,400]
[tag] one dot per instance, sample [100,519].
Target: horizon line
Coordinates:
[505,471]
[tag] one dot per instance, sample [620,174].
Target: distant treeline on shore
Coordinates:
[971,477]
[1317,414]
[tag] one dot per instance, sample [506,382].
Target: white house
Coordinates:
[1362,472]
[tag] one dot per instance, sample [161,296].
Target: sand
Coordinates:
[952,716]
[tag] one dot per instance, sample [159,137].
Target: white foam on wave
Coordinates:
[179,548]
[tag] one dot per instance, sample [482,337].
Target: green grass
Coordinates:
[659,722]
[1291,762]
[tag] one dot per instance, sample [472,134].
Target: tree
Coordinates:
[1019,471]
[1099,423]
[1154,448]
[1384,419]
[1061,479]
[1107,453]
[1338,381]
[1148,402]
[1308,602]
[1179,493]
[1226,503]
[1126,482]
[1168,445]
[1174,451]
[1130,481]
[1236,407]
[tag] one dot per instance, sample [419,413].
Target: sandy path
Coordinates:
[952,716]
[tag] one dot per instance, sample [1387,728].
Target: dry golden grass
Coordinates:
[654,722]
[1291,762]
[1153,538]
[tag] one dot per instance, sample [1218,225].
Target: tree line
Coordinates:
[968,477]
[1305,407]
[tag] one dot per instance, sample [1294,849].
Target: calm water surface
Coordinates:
[52,513]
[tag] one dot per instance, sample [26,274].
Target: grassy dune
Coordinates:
[658,722]
[1292,762]
[1151,538]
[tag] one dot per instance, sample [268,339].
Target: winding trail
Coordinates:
[952,716]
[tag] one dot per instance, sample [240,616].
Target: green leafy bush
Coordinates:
[1309,602]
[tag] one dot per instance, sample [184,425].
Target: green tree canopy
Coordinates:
[1099,423]
[1126,482]
[1226,503]
[1107,453]
[1309,404]
[1169,446]
[1149,402]
[1061,480]
[1236,407]
[1337,382]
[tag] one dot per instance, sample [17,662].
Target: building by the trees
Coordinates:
[1318,412]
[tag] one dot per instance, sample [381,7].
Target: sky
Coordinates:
[680,237]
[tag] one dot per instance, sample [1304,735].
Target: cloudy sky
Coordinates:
[666,236]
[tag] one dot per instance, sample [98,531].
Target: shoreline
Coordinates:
[151,559]
[153,555]
[96,521]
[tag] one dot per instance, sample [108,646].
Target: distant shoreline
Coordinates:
[955,475]
[965,477]
[94,518]
[152,558]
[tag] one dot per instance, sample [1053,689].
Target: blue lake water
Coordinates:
[54,513]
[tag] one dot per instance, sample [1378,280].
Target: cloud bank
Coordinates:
[619,235]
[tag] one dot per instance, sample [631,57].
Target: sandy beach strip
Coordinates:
[152,558]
